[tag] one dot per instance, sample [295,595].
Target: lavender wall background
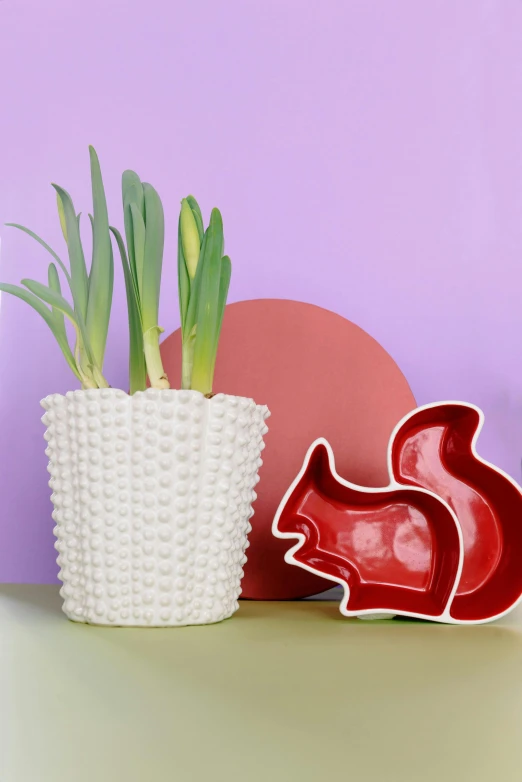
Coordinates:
[366,155]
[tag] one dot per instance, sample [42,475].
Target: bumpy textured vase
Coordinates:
[152,499]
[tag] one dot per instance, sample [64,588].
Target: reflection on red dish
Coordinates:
[395,550]
[434,448]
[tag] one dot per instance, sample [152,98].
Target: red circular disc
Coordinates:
[321,376]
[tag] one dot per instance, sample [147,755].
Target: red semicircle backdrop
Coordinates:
[321,376]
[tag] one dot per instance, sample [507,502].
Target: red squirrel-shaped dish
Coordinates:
[396,550]
[434,448]
[449,552]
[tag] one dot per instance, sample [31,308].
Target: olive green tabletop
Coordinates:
[282,691]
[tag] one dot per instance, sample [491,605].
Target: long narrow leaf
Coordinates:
[183,283]
[154,242]
[102,270]
[224,283]
[111,276]
[190,325]
[79,277]
[61,215]
[54,285]
[190,238]
[192,310]
[57,301]
[132,190]
[138,227]
[45,245]
[208,308]
[197,216]
[137,368]
[91,220]
[47,315]
[132,193]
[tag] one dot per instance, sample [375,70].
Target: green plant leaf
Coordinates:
[137,368]
[188,291]
[183,283]
[190,326]
[56,300]
[224,284]
[79,277]
[132,193]
[101,276]
[91,220]
[197,216]
[190,238]
[47,315]
[208,307]
[195,286]
[54,285]
[153,261]
[138,228]
[45,245]
[61,215]
[132,190]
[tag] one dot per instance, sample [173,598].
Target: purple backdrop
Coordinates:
[366,155]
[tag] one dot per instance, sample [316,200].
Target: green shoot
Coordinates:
[142,262]
[91,293]
[137,368]
[203,281]
[47,315]
[101,276]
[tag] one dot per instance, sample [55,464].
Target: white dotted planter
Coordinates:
[152,498]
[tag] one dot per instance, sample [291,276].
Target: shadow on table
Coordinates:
[41,598]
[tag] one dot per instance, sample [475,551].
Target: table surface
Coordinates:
[280,692]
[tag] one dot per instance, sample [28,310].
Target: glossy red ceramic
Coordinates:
[395,550]
[434,448]
[451,553]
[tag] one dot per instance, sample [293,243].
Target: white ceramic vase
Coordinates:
[152,499]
